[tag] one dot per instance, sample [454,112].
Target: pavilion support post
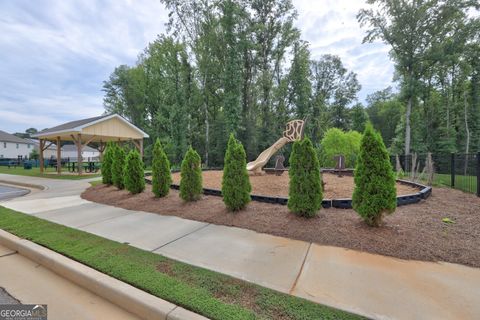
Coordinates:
[140,142]
[40,151]
[59,157]
[79,154]
[101,149]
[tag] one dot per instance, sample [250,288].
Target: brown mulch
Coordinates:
[413,232]
[277,186]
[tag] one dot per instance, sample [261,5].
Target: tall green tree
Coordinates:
[334,88]
[300,86]
[413,29]
[232,73]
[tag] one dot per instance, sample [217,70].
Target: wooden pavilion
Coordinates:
[97,130]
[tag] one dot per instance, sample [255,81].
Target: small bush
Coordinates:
[337,142]
[118,166]
[191,176]
[235,183]
[134,173]
[305,189]
[107,162]
[375,191]
[161,176]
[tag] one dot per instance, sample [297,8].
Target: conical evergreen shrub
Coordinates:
[133,172]
[118,165]
[375,191]
[107,164]
[235,183]
[191,176]
[161,176]
[305,189]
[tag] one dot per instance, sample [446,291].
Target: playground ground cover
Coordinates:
[277,186]
[49,173]
[415,231]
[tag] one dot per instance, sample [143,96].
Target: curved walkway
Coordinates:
[375,286]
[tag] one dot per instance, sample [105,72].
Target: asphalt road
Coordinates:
[11,192]
[6,298]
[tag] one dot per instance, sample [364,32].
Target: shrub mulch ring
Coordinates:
[413,232]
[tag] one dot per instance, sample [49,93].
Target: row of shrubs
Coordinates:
[375,187]
[123,170]
[374,194]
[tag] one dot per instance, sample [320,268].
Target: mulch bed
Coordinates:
[413,232]
[277,186]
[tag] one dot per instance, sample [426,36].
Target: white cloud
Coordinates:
[54,55]
[331,27]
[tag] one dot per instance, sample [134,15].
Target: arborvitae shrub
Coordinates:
[161,176]
[375,191]
[107,164]
[118,166]
[134,174]
[235,183]
[191,176]
[305,189]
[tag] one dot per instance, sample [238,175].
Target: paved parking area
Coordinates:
[7,192]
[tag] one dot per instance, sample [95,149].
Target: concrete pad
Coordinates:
[267,260]
[33,284]
[83,215]
[5,251]
[386,288]
[31,206]
[144,230]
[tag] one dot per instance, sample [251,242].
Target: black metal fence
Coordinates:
[456,170]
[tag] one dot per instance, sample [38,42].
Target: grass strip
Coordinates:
[35,172]
[208,293]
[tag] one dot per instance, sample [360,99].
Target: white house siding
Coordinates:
[12,150]
[92,155]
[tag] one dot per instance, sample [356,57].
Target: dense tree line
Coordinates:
[436,48]
[241,66]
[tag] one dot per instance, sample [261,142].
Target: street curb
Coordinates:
[22,184]
[134,300]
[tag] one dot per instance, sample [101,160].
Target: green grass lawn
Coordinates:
[35,172]
[464,183]
[95,183]
[208,293]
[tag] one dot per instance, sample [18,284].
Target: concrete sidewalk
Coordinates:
[375,286]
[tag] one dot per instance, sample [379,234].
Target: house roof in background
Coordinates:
[36,142]
[7,137]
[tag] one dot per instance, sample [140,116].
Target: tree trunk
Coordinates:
[408,113]
[467,130]
[407,125]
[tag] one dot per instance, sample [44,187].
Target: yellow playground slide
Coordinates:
[293,131]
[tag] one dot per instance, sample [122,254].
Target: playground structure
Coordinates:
[294,131]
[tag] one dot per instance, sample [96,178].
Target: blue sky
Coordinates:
[54,55]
